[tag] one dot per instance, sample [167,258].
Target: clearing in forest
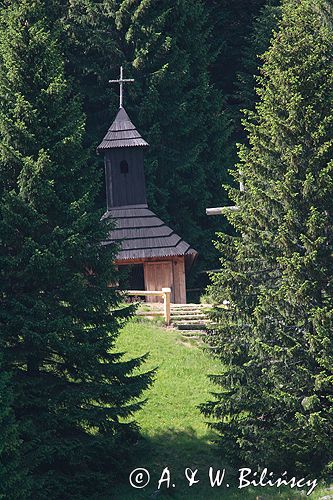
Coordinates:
[174,431]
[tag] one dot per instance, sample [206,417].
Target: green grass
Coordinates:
[175,434]
[181,382]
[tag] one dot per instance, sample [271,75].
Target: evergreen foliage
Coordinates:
[274,401]
[256,44]
[173,103]
[240,31]
[232,24]
[59,319]
[13,481]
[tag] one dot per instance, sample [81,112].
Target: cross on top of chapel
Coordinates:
[121,82]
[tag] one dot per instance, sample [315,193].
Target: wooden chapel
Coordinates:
[156,256]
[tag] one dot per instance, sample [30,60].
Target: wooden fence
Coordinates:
[165,293]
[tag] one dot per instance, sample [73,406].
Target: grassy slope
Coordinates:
[175,433]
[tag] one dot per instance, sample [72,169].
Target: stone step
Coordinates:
[190,326]
[185,307]
[190,306]
[188,317]
[189,309]
[176,309]
[194,320]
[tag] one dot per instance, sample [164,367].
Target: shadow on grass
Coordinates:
[178,451]
[175,451]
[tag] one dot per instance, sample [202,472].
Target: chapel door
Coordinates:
[158,275]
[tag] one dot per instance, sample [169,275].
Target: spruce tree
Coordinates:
[274,338]
[13,480]
[257,44]
[231,26]
[73,395]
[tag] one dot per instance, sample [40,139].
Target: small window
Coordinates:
[124,167]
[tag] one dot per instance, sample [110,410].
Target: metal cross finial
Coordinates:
[121,81]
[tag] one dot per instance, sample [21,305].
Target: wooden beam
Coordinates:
[128,262]
[179,281]
[167,307]
[221,210]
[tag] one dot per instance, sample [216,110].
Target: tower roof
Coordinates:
[122,134]
[143,235]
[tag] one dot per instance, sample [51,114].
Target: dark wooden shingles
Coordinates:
[122,133]
[134,222]
[130,211]
[144,235]
[170,241]
[141,233]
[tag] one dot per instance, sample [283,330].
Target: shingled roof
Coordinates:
[122,133]
[144,235]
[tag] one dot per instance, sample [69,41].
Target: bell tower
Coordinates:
[156,256]
[123,149]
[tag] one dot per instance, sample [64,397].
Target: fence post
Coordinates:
[167,301]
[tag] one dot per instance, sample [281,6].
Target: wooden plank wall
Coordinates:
[125,189]
[168,273]
[158,275]
[179,280]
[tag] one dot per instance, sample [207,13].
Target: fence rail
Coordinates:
[165,293]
